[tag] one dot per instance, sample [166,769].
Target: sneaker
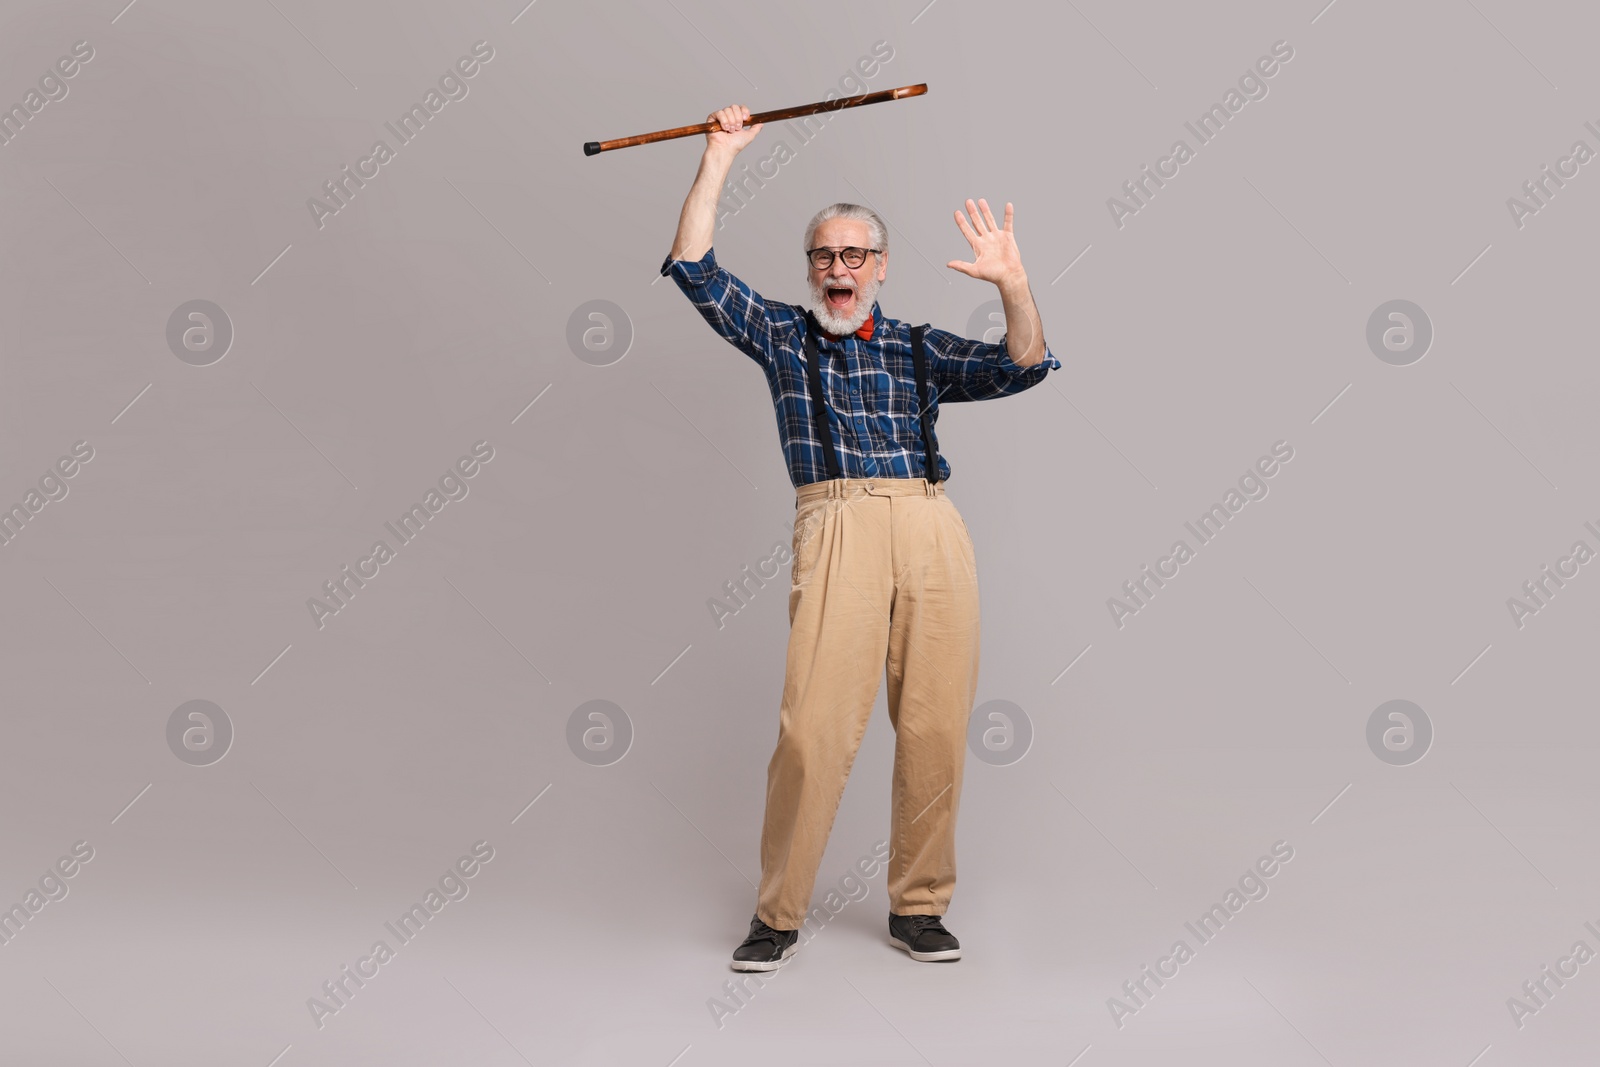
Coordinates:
[765,948]
[924,937]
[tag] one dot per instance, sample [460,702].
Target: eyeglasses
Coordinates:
[822,258]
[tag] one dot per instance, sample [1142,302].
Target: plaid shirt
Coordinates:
[870,386]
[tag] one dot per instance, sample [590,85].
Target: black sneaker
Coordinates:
[924,937]
[765,948]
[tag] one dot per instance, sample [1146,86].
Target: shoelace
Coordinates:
[922,923]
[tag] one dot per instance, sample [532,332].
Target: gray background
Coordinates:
[369,354]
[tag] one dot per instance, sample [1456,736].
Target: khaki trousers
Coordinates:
[885,579]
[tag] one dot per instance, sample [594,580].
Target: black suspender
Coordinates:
[819,406]
[930,450]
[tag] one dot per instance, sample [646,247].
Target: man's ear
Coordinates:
[883,265]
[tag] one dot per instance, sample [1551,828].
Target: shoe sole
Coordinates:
[926,957]
[765,965]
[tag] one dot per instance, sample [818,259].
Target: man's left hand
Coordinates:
[994,248]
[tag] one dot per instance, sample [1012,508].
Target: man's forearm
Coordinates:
[1024,330]
[697,224]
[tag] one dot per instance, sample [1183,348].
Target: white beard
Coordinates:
[842,325]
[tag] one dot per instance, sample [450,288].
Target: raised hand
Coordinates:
[734,134]
[994,248]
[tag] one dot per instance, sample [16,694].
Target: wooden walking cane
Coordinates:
[592,148]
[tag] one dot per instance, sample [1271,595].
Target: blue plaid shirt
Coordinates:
[870,386]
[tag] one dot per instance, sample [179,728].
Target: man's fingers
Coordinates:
[966,230]
[730,118]
[1008,216]
[964,268]
[972,212]
[987,217]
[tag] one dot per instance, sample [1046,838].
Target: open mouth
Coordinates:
[840,297]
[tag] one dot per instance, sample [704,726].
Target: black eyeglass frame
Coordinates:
[840,254]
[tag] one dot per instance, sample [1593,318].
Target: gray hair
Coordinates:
[879,232]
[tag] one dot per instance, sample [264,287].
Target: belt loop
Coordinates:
[927,487]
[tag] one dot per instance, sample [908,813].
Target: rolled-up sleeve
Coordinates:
[733,309]
[966,370]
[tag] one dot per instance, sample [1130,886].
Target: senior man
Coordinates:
[885,578]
